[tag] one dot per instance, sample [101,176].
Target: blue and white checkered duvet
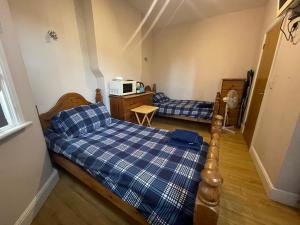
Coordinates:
[189,108]
[137,164]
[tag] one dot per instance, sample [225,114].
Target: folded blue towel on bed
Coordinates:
[186,139]
[184,145]
[187,136]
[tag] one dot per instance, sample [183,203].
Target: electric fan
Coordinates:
[231,100]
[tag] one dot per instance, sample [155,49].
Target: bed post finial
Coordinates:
[154,88]
[98,97]
[216,126]
[216,108]
[209,190]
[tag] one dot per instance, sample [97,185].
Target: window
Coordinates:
[7,112]
[11,119]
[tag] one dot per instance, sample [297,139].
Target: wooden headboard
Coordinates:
[67,101]
[149,89]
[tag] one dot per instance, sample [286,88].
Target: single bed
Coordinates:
[192,110]
[134,167]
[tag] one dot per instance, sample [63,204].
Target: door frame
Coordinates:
[271,76]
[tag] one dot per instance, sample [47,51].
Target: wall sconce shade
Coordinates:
[52,34]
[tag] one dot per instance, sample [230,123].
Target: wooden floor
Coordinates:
[243,202]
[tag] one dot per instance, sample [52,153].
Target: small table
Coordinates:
[146,110]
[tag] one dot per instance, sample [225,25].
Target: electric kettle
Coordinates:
[140,87]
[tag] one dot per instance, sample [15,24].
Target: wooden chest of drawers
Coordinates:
[227,85]
[120,106]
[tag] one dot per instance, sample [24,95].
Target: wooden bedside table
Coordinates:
[120,106]
[145,110]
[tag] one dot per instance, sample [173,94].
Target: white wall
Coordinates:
[70,64]
[279,107]
[57,67]
[24,160]
[289,180]
[147,59]
[279,111]
[190,60]
[176,55]
[115,22]
[270,14]
[273,140]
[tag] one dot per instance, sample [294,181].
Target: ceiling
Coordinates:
[183,11]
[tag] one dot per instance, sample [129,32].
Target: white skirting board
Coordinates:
[34,206]
[278,195]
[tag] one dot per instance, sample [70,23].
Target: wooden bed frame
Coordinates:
[209,190]
[215,110]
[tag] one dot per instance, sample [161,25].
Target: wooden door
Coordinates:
[261,81]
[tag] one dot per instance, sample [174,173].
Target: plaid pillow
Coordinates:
[81,120]
[160,97]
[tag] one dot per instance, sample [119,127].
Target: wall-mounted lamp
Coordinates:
[52,34]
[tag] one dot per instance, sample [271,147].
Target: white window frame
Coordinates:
[11,107]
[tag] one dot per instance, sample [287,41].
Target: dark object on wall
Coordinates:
[52,34]
[245,98]
[290,24]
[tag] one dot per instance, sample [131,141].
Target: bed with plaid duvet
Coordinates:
[137,164]
[189,108]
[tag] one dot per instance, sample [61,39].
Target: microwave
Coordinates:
[122,87]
